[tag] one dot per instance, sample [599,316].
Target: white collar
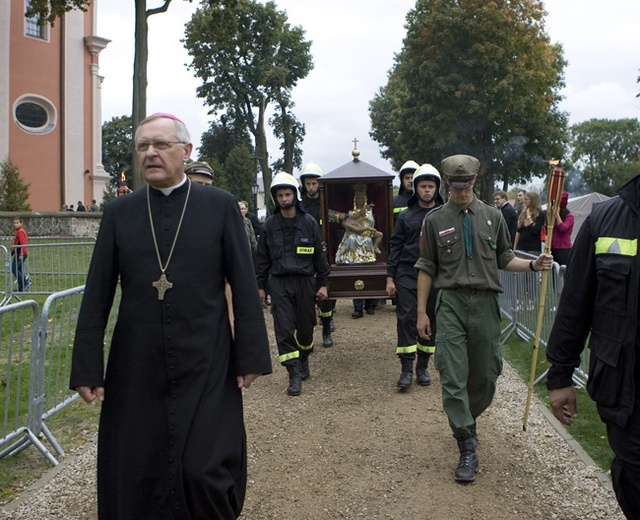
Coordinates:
[167,191]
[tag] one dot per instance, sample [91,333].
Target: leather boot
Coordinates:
[304,366]
[295,380]
[406,377]
[468,465]
[422,374]
[332,326]
[327,340]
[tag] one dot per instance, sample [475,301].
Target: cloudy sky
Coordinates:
[354,42]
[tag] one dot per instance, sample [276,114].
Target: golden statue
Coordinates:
[361,240]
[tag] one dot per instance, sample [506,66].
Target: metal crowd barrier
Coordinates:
[20,367]
[520,305]
[52,265]
[35,365]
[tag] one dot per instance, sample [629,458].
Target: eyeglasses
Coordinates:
[143,146]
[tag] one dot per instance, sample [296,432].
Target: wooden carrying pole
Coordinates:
[556,183]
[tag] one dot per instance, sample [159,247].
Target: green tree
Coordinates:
[247,56]
[478,77]
[50,10]
[239,173]
[222,137]
[606,151]
[14,192]
[117,139]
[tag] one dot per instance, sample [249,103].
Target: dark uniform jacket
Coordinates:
[171,438]
[404,246]
[510,219]
[312,207]
[401,200]
[304,257]
[600,297]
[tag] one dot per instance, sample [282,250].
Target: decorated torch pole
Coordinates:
[556,183]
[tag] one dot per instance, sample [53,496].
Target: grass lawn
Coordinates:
[588,429]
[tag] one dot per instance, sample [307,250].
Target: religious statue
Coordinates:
[361,239]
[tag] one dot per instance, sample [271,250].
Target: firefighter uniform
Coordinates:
[404,251]
[291,259]
[600,301]
[311,205]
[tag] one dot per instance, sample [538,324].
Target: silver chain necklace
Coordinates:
[162,284]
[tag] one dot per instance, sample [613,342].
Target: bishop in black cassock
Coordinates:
[172,442]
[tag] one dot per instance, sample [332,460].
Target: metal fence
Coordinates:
[520,304]
[35,364]
[52,265]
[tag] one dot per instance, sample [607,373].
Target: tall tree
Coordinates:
[478,77]
[607,152]
[14,192]
[247,55]
[223,136]
[117,140]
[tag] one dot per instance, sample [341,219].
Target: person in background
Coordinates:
[562,229]
[19,255]
[508,213]
[600,303]
[402,277]
[70,208]
[80,206]
[519,204]
[199,172]
[463,244]
[310,203]
[291,257]
[171,440]
[248,228]
[530,224]
[405,176]
[94,206]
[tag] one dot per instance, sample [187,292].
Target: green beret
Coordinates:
[460,166]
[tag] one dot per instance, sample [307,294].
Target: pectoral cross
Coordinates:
[162,285]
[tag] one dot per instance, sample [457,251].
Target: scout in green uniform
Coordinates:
[463,244]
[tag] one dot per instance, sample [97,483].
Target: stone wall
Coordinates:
[54,223]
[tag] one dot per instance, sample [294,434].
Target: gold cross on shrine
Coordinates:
[355,143]
[162,285]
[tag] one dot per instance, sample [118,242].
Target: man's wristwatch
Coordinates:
[531,266]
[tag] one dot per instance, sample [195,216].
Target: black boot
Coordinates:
[304,366]
[332,326]
[468,465]
[422,374]
[406,377]
[327,340]
[295,380]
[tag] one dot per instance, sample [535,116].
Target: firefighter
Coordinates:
[405,176]
[310,203]
[290,257]
[402,278]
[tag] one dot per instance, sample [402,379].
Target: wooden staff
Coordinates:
[556,182]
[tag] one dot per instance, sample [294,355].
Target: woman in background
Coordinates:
[562,229]
[530,223]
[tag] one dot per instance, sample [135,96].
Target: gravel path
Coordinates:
[353,447]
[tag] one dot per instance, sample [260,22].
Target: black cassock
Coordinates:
[172,443]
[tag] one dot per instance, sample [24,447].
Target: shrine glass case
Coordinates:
[357,222]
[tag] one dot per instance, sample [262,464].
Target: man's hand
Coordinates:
[563,404]
[263,297]
[91,393]
[391,288]
[322,294]
[245,381]
[544,262]
[424,325]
